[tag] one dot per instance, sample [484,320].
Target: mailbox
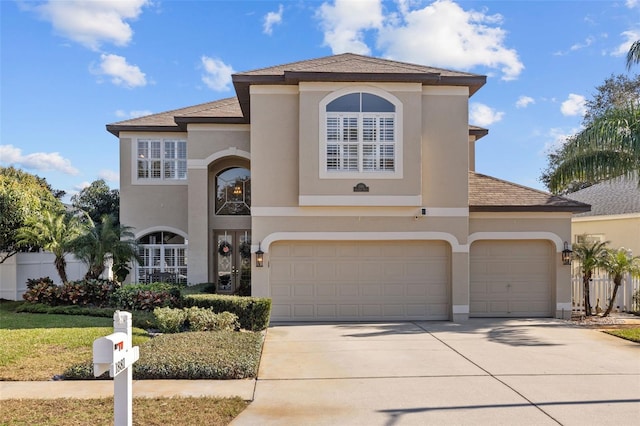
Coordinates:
[113,353]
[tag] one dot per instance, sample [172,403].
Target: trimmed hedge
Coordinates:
[147,297]
[194,355]
[253,312]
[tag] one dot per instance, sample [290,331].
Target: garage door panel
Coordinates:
[365,280]
[511,278]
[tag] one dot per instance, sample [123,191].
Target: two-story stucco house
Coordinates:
[355,176]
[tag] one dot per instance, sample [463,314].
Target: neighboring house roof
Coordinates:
[612,197]
[344,67]
[489,194]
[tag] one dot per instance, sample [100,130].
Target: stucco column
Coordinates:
[563,289]
[460,286]
[197,249]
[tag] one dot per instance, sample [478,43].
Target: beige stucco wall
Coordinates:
[619,230]
[143,206]
[445,139]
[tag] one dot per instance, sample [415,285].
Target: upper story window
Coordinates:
[360,135]
[162,159]
[233,192]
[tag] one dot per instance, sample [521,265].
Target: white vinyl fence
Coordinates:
[17,269]
[601,289]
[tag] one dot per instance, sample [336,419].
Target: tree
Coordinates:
[607,147]
[103,240]
[617,264]
[98,200]
[22,196]
[54,232]
[633,56]
[590,258]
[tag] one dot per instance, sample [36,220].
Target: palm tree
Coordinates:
[618,263]
[54,232]
[607,148]
[633,56]
[104,240]
[590,257]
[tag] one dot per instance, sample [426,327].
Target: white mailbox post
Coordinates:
[115,354]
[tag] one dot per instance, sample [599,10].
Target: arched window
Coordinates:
[163,258]
[233,192]
[360,135]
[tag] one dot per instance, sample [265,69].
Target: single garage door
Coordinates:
[511,279]
[359,280]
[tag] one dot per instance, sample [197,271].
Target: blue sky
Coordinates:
[70,67]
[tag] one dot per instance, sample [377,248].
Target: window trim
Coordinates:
[135,180]
[322,145]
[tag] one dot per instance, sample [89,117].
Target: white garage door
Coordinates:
[359,280]
[511,279]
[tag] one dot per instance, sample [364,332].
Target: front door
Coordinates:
[232,261]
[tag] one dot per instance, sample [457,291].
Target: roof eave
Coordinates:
[533,209]
[115,129]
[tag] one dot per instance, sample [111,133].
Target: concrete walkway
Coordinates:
[481,372]
[484,372]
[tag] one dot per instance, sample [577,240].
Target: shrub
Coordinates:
[42,290]
[146,297]
[170,320]
[140,319]
[82,293]
[253,313]
[201,319]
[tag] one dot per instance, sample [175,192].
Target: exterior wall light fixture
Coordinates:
[567,254]
[259,257]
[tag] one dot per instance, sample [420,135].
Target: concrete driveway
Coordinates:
[484,372]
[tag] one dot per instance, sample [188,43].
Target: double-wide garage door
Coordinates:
[511,279]
[359,280]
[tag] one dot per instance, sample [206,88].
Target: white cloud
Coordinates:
[217,74]
[574,105]
[109,175]
[92,23]
[132,114]
[555,138]
[345,21]
[41,161]
[121,73]
[444,34]
[629,37]
[632,3]
[82,185]
[271,19]
[524,101]
[587,42]
[482,115]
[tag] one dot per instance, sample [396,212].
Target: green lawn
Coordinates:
[40,346]
[632,334]
[146,411]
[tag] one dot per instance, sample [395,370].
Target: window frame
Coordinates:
[170,170]
[178,269]
[324,172]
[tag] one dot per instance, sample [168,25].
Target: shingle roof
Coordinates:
[224,110]
[343,67]
[490,194]
[351,67]
[351,63]
[615,196]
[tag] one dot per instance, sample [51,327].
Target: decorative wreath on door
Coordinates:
[225,249]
